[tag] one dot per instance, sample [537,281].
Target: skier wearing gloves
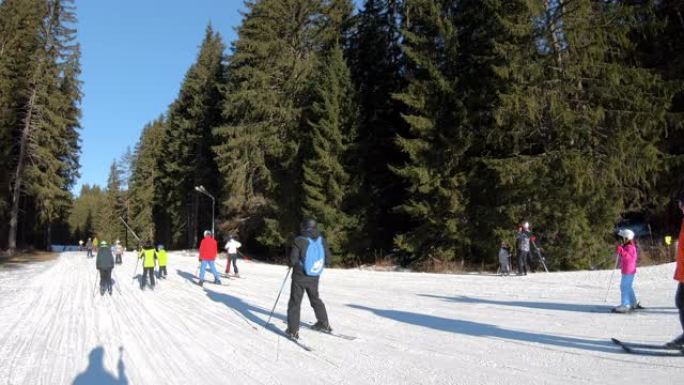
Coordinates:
[231,248]
[207,255]
[679,277]
[148,255]
[627,252]
[104,262]
[308,256]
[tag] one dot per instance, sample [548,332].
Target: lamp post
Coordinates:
[202,190]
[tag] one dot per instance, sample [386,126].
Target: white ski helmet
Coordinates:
[526,225]
[626,233]
[207,232]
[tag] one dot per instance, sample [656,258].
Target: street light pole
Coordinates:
[204,191]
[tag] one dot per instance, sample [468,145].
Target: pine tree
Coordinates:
[187,143]
[377,66]
[143,191]
[108,227]
[273,61]
[329,183]
[46,162]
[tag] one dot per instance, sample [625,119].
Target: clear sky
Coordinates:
[134,56]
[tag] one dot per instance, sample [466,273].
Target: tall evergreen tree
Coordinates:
[270,71]
[329,182]
[108,227]
[45,164]
[376,63]
[188,137]
[143,190]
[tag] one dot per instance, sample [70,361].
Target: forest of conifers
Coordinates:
[426,130]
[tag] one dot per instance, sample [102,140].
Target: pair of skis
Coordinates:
[308,326]
[649,349]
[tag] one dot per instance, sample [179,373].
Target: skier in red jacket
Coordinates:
[207,254]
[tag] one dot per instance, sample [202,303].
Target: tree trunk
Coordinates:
[19,174]
[553,32]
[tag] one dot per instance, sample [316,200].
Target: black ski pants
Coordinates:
[105,278]
[299,286]
[679,301]
[147,271]
[118,258]
[523,261]
[162,271]
[232,258]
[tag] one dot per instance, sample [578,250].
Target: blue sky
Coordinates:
[134,56]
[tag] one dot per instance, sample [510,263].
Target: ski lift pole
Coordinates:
[131,230]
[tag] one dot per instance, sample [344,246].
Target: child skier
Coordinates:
[504,258]
[118,251]
[148,256]
[162,258]
[628,263]
[231,248]
[105,263]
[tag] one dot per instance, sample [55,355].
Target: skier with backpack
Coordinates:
[308,256]
[104,262]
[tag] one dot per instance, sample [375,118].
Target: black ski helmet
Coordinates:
[308,224]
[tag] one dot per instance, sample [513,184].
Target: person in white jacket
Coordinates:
[232,247]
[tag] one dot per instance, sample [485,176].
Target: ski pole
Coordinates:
[97,275]
[610,283]
[277,298]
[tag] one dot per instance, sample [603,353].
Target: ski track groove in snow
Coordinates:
[411,328]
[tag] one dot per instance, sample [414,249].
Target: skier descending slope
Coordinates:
[207,255]
[105,263]
[308,256]
[232,247]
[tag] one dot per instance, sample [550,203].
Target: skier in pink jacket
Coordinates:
[628,263]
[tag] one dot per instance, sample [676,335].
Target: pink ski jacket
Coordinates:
[628,258]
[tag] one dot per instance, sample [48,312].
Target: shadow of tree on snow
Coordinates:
[477,329]
[573,307]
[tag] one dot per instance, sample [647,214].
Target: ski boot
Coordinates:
[292,335]
[201,283]
[217,281]
[677,343]
[322,327]
[102,290]
[638,307]
[109,290]
[622,309]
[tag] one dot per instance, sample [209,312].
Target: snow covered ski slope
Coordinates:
[409,328]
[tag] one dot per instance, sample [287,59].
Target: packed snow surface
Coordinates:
[411,328]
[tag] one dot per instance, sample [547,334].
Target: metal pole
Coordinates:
[278,298]
[213,234]
[610,283]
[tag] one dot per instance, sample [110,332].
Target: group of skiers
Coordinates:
[524,239]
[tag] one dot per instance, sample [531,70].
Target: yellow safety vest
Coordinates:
[148,256]
[162,257]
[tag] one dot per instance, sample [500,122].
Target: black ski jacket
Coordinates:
[298,252]
[105,259]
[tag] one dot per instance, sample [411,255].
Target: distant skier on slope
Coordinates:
[627,252]
[207,255]
[504,258]
[105,263]
[89,248]
[232,247]
[679,277]
[523,239]
[308,256]
[162,258]
[118,251]
[148,255]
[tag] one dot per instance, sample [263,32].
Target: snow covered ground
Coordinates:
[411,328]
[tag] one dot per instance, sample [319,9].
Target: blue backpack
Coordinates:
[314,260]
